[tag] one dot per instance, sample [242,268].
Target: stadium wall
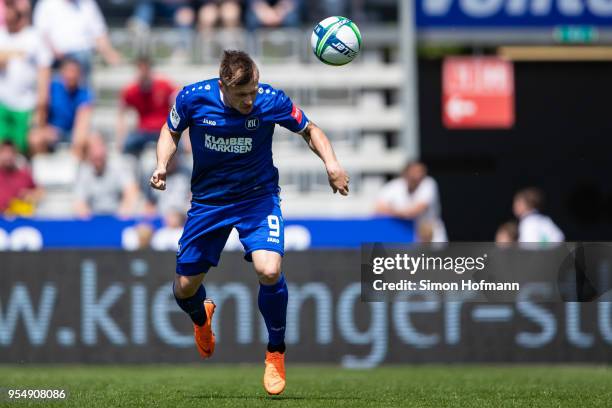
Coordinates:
[117,307]
[560,143]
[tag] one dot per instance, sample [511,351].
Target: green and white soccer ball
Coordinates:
[336,40]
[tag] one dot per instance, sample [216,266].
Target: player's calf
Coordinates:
[199,309]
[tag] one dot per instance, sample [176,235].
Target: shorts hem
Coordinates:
[249,258]
[193,268]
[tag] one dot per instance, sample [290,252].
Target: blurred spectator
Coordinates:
[24,78]
[19,194]
[69,115]
[507,233]
[227,12]
[326,8]
[75,29]
[179,12]
[151,96]
[144,235]
[167,237]
[177,194]
[272,13]
[533,226]
[23,7]
[103,187]
[414,195]
[425,231]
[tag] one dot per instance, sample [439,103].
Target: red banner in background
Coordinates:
[477,92]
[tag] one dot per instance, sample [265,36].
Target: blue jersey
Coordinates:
[232,152]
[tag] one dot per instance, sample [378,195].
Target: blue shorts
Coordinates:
[259,222]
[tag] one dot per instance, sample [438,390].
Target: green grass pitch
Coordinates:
[210,385]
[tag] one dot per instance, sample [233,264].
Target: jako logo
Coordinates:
[209,122]
[251,123]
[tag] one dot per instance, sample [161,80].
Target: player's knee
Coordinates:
[186,286]
[268,273]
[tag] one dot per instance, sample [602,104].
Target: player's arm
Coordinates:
[166,147]
[412,211]
[319,143]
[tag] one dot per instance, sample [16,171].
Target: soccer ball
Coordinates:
[336,40]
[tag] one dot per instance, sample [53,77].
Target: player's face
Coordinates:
[241,98]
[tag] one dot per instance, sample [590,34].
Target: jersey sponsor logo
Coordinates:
[251,123]
[175,119]
[239,145]
[296,113]
[209,122]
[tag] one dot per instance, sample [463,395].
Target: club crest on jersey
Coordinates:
[251,123]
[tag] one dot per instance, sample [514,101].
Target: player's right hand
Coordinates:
[158,179]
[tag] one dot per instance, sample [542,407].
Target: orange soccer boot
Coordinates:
[204,336]
[274,375]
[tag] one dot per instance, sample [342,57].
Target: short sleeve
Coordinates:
[97,24]
[86,98]
[177,118]
[427,192]
[44,57]
[125,96]
[81,192]
[288,114]
[387,193]
[528,231]
[40,22]
[29,180]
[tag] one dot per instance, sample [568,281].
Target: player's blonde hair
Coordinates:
[237,68]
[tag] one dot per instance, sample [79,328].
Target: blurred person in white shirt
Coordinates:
[534,226]
[104,187]
[413,195]
[167,237]
[25,63]
[75,29]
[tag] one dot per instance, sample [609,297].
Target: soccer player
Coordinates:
[231,121]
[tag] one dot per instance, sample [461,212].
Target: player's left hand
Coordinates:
[338,179]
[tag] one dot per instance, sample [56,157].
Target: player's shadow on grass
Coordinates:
[279,397]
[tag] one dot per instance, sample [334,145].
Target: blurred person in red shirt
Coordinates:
[19,194]
[151,96]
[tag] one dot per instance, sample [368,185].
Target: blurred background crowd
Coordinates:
[85,87]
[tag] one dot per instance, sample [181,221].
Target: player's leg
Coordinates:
[200,247]
[190,296]
[261,233]
[272,298]
[272,301]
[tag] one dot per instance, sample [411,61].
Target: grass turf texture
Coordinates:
[315,386]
